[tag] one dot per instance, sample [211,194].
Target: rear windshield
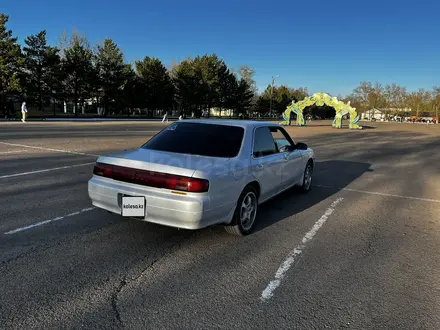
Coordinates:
[198,139]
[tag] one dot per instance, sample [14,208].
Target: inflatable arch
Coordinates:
[320,99]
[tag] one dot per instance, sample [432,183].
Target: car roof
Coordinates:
[232,122]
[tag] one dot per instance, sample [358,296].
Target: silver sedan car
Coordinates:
[198,173]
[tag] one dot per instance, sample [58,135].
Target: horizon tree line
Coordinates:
[100,79]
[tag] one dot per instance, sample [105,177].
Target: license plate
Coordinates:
[133,206]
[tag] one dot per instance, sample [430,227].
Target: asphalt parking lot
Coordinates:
[360,251]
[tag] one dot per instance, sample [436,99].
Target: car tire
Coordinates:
[307,178]
[245,213]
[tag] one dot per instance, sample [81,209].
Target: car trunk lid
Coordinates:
[163,162]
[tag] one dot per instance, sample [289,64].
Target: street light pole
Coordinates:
[271,93]
[436,114]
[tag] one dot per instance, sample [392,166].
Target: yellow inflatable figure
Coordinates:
[320,99]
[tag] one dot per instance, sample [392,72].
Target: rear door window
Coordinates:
[201,139]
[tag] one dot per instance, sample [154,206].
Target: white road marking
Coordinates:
[48,221]
[382,194]
[49,149]
[9,152]
[45,170]
[268,292]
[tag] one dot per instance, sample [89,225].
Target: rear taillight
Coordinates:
[151,179]
[102,170]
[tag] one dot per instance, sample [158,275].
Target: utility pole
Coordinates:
[271,93]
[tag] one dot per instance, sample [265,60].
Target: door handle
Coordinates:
[260,166]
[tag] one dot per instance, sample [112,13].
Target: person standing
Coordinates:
[24,111]
[165,117]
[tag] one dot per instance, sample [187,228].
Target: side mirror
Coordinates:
[301,146]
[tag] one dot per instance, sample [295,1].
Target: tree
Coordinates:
[247,74]
[263,104]
[370,97]
[41,65]
[355,101]
[282,97]
[227,92]
[213,74]
[112,73]
[10,62]
[243,96]
[188,87]
[79,69]
[203,82]
[133,91]
[419,101]
[158,89]
[376,96]
[361,92]
[264,100]
[299,94]
[394,99]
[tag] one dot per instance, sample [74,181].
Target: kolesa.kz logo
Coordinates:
[130,206]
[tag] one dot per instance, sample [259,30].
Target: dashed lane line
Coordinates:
[45,170]
[268,292]
[10,152]
[48,221]
[381,194]
[49,149]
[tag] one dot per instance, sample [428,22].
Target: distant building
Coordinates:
[386,114]
[217,112]
[373,114]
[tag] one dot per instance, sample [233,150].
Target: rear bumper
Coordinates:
[162,206]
